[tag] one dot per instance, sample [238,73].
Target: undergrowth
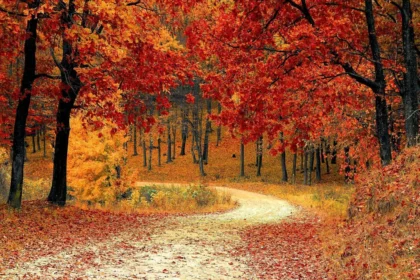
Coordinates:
[381,237]
[170,199]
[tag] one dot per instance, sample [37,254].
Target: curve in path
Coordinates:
[197,247]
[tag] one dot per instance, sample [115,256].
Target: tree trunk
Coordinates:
[259,155]
[257,148]
[184,131]
[144,148]
[38,140]
[150,151]
[294,168]
[347,161]
[69,77]
[219,127]
[311,163]
[198,128]
[327,155]
[58,190]
[159,152]
[174,141]
[302,168]
[207,134]
[18,148]
[195,161]
[284,177]
[379,89]
[118,171]
[318,164]
[242,158]
[44,136]
[135,153]
[334,153]
[169,144]
[33,143]
[410,92]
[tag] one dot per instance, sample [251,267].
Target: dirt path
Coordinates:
[198,247]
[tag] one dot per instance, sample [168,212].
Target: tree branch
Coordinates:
[356,76]
[272,18]
[304,10]
[44,75]
[11,13]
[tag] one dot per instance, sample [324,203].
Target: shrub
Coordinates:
[178,198]
[202,195]
[147,193]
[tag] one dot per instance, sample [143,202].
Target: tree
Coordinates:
[18,147]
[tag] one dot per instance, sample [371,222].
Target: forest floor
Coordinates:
[232,245]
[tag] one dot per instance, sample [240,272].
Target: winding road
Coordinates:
[194,247]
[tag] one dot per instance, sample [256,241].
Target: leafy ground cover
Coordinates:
[291,249]
[381,237]
[40,229]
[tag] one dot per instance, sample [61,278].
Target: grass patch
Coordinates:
[170,199]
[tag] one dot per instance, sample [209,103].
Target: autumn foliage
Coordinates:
[97,174]
[381,237]
[310,80]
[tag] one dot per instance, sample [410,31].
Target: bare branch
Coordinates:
[57,63]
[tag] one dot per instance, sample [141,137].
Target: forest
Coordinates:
[209,139]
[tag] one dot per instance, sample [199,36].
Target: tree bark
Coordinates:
[302,168]
[219,127]
[44,139]
[327,155]
[410,92]
[318,164]
[311,163]
[18,148]
[144,148]
[259,155]
[33,143]
[38,138]
[174,141]
[69,77]
[284,177]
[135,153]
[334,153]
[159,152]
[150,151]
[347,161]
[184,130]
[379,88]
[193,147]
[207,133]
[168,142]
[58,190]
